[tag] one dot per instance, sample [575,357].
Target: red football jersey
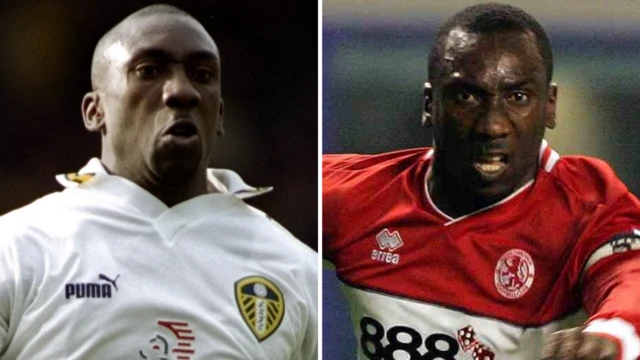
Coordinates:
[490,284]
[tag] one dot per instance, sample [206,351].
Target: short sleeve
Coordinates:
[21,267]
[610,277]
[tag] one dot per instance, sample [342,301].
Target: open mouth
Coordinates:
[183,129]
[490,165]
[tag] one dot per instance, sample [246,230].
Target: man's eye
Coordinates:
[147,71]
[465,97]
[518,97]
[203,74]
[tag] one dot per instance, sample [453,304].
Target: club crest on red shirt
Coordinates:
[514,273]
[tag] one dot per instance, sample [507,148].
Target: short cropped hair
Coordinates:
[97,66]
[486,19]
[159,9]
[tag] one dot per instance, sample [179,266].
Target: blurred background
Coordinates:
[375,63]
[269,84]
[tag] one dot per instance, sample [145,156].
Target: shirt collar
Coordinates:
[222,180]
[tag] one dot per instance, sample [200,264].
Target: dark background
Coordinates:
[269,84]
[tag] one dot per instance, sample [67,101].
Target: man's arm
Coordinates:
[22,268]
[12,292]
[6,293]
[611,296]
[309,349]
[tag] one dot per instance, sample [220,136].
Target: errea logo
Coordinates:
[390,241]
[91,290]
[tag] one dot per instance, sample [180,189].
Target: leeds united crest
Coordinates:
[261,305]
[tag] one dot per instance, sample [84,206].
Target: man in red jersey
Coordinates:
[488,245]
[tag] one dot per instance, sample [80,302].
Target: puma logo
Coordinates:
[91,290]
[113,282]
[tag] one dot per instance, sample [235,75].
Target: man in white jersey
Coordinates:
[147,254]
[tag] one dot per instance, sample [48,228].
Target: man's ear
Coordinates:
[92,112]
[550,110]
[427,106]
[220,126]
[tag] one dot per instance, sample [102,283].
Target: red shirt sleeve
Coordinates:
[611,277]
[605,260]
[612,288]
[333,176]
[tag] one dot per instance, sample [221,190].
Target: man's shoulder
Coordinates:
[51,215]
[346,171]
[37,211]
[280,238]
[271,249]
[33,226]
[362,162]
[590,178]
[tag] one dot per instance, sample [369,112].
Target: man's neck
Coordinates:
[449,200]
[175,195]
[452,198]
[169,194]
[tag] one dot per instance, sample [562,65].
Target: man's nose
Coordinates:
[494,122]
[179,92]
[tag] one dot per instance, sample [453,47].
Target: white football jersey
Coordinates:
[105,270]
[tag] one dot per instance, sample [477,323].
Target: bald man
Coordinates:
[147,253]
